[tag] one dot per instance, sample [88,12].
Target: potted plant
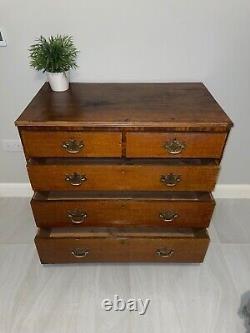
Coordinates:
[55,56]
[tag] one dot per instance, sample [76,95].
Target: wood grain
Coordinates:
[122,212]
[127,248]
[203,145]
[121,170]
[49,143]
[119,177]
[161,105]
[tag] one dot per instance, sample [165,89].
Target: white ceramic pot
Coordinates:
[58,81]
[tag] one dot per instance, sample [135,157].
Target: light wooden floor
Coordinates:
[67,298]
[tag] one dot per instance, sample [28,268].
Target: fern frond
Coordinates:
[56,54]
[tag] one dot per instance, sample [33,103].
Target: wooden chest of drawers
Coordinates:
[123,172]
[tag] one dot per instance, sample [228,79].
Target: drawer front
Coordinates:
[122,177]
[85,213]
[127,249]
[174,145]
[72,144]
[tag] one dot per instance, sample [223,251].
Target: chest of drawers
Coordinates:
[123,172]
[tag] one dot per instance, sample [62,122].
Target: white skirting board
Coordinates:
[15,190]
[226,191]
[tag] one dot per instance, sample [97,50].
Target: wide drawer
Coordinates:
[137,176]
[71,144]
[173,145]
[114,245]
[168,209]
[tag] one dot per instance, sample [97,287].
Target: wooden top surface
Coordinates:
[156,105]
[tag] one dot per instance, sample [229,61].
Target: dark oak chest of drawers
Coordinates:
[123,172]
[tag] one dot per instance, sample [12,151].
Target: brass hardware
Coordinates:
[171,179]
[164,253]
[174,146]
[72,146]
[77,216]
[79,253]
[75,179]
[168,216]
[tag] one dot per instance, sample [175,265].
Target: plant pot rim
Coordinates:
[56,72]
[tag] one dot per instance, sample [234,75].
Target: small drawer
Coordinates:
[124,209]
[71,144]
[113,245]
[115,176]
[174,145]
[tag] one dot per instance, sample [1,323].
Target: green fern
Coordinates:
[56,54]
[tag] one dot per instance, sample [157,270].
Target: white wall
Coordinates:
[134,40]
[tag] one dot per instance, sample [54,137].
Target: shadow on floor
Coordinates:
[244,311]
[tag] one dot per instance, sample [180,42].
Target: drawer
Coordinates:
[173,145]
[138,176]
[114,245]
[71,144]
[123,209]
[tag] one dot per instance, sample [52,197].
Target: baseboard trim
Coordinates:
[232,191]
[15,190]
[227,191]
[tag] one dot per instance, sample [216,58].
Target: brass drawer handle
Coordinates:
[73,146]
[164,253]
[80,253]
[171,179]
[75,179]
[77,216]
[174,146]
[168,216]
